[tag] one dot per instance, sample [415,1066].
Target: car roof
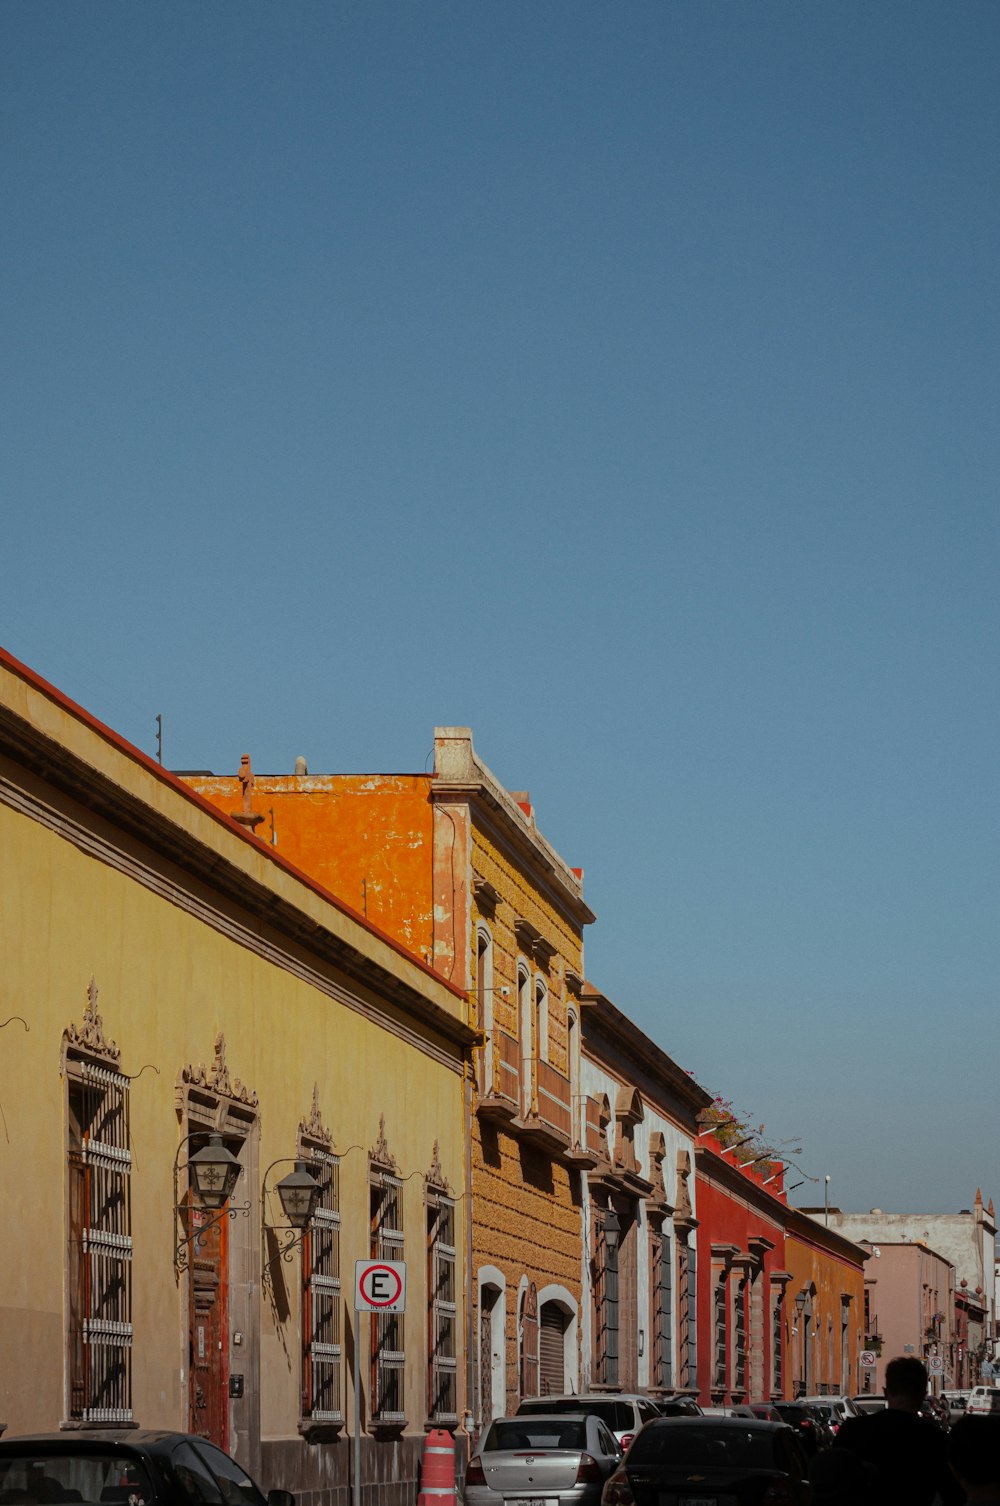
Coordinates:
[756,1424]
[580,1416]
[140,1440]
[589,1396]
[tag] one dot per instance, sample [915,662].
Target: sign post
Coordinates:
[379,1287]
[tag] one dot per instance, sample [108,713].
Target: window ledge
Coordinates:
[392,1429]
[75,1425]
[319,1432]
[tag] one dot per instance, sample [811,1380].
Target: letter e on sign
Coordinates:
[380,1286]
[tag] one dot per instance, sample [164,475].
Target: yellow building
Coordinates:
[824,1309]
[453,865]
[176,998]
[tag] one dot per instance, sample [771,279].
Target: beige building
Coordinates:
[175,994]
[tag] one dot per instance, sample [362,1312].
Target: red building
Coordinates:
[742,1277]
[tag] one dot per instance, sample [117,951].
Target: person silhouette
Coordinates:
[909,1454]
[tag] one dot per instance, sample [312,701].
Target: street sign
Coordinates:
[935,1364]
[868,1359]
[380,1286]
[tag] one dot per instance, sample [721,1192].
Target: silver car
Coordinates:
[554,1459]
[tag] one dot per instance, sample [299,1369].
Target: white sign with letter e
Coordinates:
[380,1286]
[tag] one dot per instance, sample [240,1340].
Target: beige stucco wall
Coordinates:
[174,968]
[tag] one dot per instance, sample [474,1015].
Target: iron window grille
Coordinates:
[443,1311]
[322,1343]
[687,1338]
[100,1244]
[777,1346]
[387,1329]
[740,1334]
[720,1367]
[606,1308]
[663,1303]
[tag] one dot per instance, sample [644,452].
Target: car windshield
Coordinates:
[725,1447]
[40,1478]
[522,1433]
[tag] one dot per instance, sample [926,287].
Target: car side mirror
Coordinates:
[280,1498]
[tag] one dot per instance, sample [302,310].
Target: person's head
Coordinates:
[905,1382]
[974,1454]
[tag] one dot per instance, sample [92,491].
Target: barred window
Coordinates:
[663,1301]
[322,1348]
[740,1334]
[777,1346]
[605,1306]
[387,1330]
[687,1337]
[100,1244]
[720,1299]
[442,1311]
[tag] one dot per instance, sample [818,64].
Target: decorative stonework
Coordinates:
[217,1077]
[90,1039]
[682,1200]
[313,1128]
[657,1155]
[382,1156]
[435,1178]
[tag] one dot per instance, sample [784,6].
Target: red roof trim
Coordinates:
[205,806]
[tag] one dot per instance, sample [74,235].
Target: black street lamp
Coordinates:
[214,1172]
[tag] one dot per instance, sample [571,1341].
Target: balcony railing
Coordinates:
[500,1077]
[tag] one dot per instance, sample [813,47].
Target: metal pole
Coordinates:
[826,1201]
[359,1323]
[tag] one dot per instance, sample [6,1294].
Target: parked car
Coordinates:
[983,1400]
[559,1458]
[868,1402]
[123,1468]
[936,1411]
[624,1414]
[678,1406]
[735,1460]
[811,1427]
[836,1409]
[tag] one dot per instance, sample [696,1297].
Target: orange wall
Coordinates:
[374,854]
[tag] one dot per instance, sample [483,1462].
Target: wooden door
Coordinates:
[208,1328]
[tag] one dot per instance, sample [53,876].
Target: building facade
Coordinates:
[967,1240]
[910,1295]
[180,1002]
[743,1281]
[823,1310]
[639,1327]
[453,865]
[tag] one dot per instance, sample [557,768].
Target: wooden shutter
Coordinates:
[529,1343]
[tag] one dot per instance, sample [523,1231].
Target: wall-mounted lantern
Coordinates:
[299,1194]
[213,1172]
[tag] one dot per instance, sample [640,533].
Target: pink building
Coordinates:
[909,1309]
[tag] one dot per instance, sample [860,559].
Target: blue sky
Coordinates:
[618,380]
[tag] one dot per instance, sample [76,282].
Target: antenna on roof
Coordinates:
[159,738]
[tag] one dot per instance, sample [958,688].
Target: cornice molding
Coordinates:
[263,907]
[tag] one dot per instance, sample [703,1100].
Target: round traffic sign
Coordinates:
[380,1285]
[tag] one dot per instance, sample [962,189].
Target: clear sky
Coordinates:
[618,379]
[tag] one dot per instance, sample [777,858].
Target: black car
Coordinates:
[812,1427]
[125,1468]
[711,1459]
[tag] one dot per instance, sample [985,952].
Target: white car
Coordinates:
[623,1412]
[983,1401]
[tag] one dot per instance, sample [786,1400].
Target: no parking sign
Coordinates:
[380,1286]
